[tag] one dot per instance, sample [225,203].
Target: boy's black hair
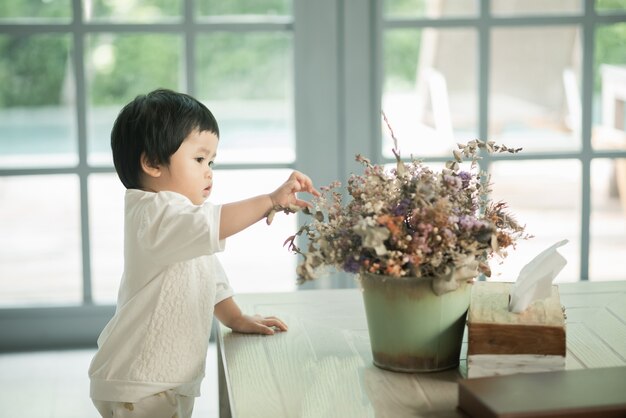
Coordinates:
[155,124]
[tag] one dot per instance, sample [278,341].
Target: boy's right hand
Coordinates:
[285,195]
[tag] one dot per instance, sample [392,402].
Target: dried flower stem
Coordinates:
[269,217]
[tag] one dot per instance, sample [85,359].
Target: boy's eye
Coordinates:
[211,164]
[199,159]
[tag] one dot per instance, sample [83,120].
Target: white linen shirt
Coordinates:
[159,336]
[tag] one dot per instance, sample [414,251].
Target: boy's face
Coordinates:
[190,171]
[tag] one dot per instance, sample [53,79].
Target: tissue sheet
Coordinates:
[535,279]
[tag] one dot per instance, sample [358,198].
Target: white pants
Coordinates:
[162,405]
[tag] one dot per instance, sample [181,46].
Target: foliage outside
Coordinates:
[35,69]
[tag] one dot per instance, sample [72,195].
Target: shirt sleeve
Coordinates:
[172,229]
[223,289]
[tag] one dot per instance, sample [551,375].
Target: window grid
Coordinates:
[483,23]
[189,26]
[338,76]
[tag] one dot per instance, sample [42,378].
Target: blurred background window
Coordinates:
[518,79]
[61,86]
[525,73]
[119,67]
[31,11]
[143,11]
[244,7]
[251,93]
[37,103]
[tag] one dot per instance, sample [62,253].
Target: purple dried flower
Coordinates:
[453,182]
[465,178]
[470,223]
[402,207]
[351,265]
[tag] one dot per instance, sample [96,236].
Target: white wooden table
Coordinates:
[322,367]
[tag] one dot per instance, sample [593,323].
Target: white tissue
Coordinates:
[535,279]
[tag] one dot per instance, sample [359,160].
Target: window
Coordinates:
[519,73]
[68,67]
[547,76]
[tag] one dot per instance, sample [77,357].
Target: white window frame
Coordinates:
[338,86]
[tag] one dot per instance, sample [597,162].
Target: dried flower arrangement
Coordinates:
[411,222]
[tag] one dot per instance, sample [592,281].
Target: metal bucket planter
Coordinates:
[411,328]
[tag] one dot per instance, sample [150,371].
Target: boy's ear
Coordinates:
[148,167]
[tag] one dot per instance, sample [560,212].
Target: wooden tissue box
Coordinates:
[501,342]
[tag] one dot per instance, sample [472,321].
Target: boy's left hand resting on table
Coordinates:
[257,324]
[229,314]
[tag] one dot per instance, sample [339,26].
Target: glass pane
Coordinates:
[610,88]
[120,67]
[611,5]
[40,249]
[26,10]
[430,90]
[132,11]
[106,217]
[544,196]
[608,219]
[246,79]
[430,9]
[255,259]
[534,97]
[244,7]
[37,102]
[535,7]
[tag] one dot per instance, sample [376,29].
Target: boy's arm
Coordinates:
[230,315]
[238,216]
